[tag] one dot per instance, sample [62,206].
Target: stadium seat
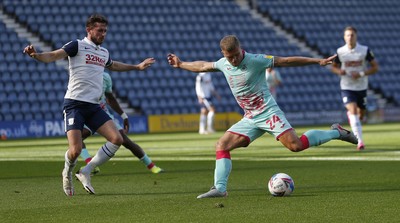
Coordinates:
[161,27]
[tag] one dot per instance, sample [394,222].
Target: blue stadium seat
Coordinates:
[150,31]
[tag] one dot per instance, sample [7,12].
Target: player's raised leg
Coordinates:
[315,138]
[105,153]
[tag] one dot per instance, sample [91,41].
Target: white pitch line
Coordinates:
[349,158]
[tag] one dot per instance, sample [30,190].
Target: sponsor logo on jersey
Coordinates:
[96,60]
[355,63]
[268,56]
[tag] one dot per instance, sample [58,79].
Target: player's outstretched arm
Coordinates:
[46,57]
[195,66]
[119,66]
[301,61]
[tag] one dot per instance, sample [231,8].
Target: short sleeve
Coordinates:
[71,48]
[109,62]
[370,55]
[267,61]
[218,64]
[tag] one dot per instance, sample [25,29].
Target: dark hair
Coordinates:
[96,18]
[352,28]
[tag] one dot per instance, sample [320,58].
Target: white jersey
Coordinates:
[272,78]
[86,66]
[354,60]
[204,85]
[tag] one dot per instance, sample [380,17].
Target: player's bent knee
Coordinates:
[221,146]
[117,140]
[295,147]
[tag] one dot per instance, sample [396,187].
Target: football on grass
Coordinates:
[281,185]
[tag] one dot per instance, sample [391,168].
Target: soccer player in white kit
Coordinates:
[245,74]
[274,80]
[108,99]
[355,62]
[87,60]
[205,90]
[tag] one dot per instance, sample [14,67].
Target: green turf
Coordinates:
[333,182]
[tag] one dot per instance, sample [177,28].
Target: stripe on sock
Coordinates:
[304,141]
[150,165]
[107,151]
[223,154]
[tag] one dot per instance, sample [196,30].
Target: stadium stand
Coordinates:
[192,29]
[320,24]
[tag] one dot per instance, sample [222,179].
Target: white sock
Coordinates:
[210,121]
[203,120]
[355,124]
[69,164]
[105,153]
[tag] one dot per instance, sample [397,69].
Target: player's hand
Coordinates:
[342,72]
[146,63]
[355,75]
[30,50]
[173,60]
[328,60]
[126,125]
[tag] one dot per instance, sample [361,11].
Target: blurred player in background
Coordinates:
[204,91]
[245,74]
[355,62]
[108,99]
[274,80]
[87,60]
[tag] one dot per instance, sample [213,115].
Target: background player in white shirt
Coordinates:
[87,60]
[274,80]
[205,90]
[354,63]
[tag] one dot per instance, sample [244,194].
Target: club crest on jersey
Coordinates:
[243,68]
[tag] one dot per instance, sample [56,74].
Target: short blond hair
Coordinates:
[229,43]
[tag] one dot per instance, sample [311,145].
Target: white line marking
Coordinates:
[212,158]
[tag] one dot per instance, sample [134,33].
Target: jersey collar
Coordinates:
[91,43]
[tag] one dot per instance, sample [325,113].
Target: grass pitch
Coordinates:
[333,182]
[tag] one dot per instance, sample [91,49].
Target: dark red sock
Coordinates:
[305,142]
[223,154]
[150,166]
[88,160]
